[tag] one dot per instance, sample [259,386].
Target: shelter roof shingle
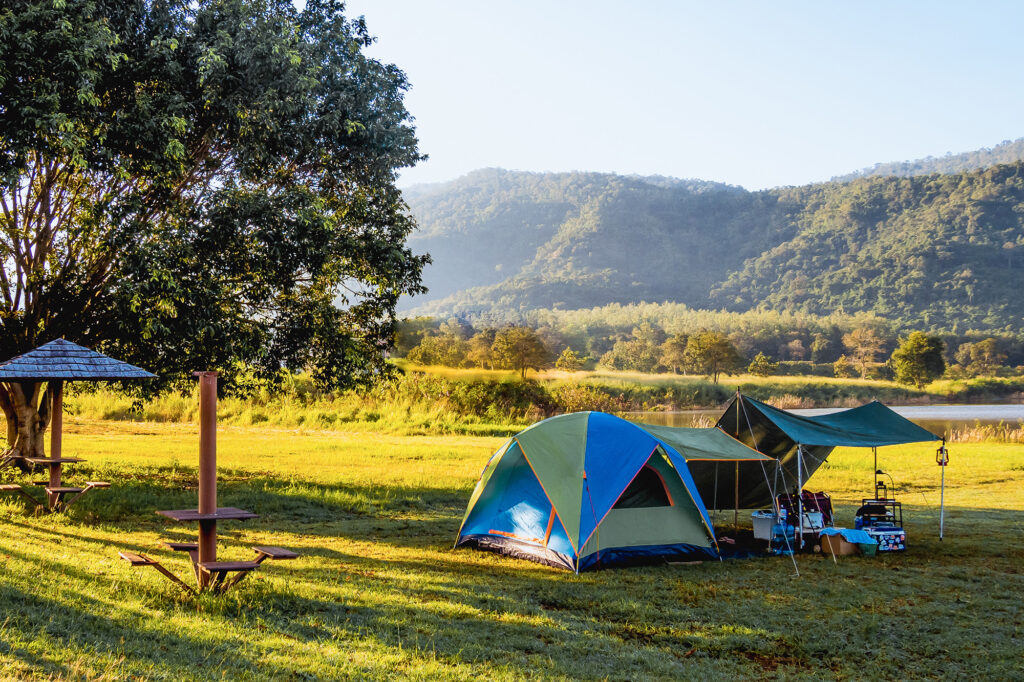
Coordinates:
[62,359]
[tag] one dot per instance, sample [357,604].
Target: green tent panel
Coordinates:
[704,444]
[560,476]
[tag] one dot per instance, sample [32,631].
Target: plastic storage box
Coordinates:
[763,522]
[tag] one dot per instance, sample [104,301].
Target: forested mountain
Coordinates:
[935,251]
[492,225]
[1007,151]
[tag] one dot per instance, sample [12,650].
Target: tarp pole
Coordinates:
[942,492]
[736,508]
[800,494]
[874,491]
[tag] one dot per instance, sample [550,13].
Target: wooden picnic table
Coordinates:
[210,573]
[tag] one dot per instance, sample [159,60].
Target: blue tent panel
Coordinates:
[616,451]
[515,506]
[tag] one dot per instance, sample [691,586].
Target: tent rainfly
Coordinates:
[590,490]
[800,444]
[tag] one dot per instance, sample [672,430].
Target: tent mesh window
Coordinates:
[646,490]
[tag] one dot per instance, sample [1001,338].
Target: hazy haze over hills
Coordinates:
[1007,151]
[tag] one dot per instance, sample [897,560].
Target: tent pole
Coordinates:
[775,501]
[799,494]
[715,501]
[736,507]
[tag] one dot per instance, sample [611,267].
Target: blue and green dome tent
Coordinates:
[590,490]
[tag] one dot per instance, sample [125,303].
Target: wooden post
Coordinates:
[56,436]
[207,469]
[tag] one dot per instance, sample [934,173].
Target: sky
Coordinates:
[757,94]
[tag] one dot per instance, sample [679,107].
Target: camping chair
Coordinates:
[812,502]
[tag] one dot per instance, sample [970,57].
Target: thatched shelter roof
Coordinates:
[63,360]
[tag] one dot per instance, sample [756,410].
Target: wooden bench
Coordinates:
[137,559]
[57,494]
[218,571]
[16,488]
[277,553]
[193,553]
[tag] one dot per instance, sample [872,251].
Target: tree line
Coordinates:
[914,358]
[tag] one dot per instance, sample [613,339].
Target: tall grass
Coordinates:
[981,433]
[483,402]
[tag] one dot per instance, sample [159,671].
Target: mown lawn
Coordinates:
[379,593]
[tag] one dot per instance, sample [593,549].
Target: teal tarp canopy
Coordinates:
[777,433]
[867,426]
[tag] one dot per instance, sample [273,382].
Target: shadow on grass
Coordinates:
[69,634]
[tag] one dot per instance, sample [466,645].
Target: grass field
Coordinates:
[378,592]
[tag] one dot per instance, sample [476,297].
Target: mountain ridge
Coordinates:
[921,249]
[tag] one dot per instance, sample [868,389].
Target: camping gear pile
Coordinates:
[590,490]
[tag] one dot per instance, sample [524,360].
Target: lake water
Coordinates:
[938,419]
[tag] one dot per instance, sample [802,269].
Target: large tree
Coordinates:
[519,348]
[198,184]
[918,359]
[711,353]
[864,345]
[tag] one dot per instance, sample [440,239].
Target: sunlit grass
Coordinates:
[378,593]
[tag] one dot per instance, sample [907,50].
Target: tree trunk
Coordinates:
[26,406]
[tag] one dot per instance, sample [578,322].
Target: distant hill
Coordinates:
[1007,151]
[493,225]
[932,251]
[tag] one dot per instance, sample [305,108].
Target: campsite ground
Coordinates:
[379,593]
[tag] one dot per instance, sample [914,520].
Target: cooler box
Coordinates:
[763,522]
[890,539]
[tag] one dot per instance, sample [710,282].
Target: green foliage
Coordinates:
[842,369]
[673,352]
[584,398]
[519,348]
[203,185]
[569,361]
[919,359]
[762,366]
[982,358]
[641,353]
[480,348]
[711,353]
[440,349]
